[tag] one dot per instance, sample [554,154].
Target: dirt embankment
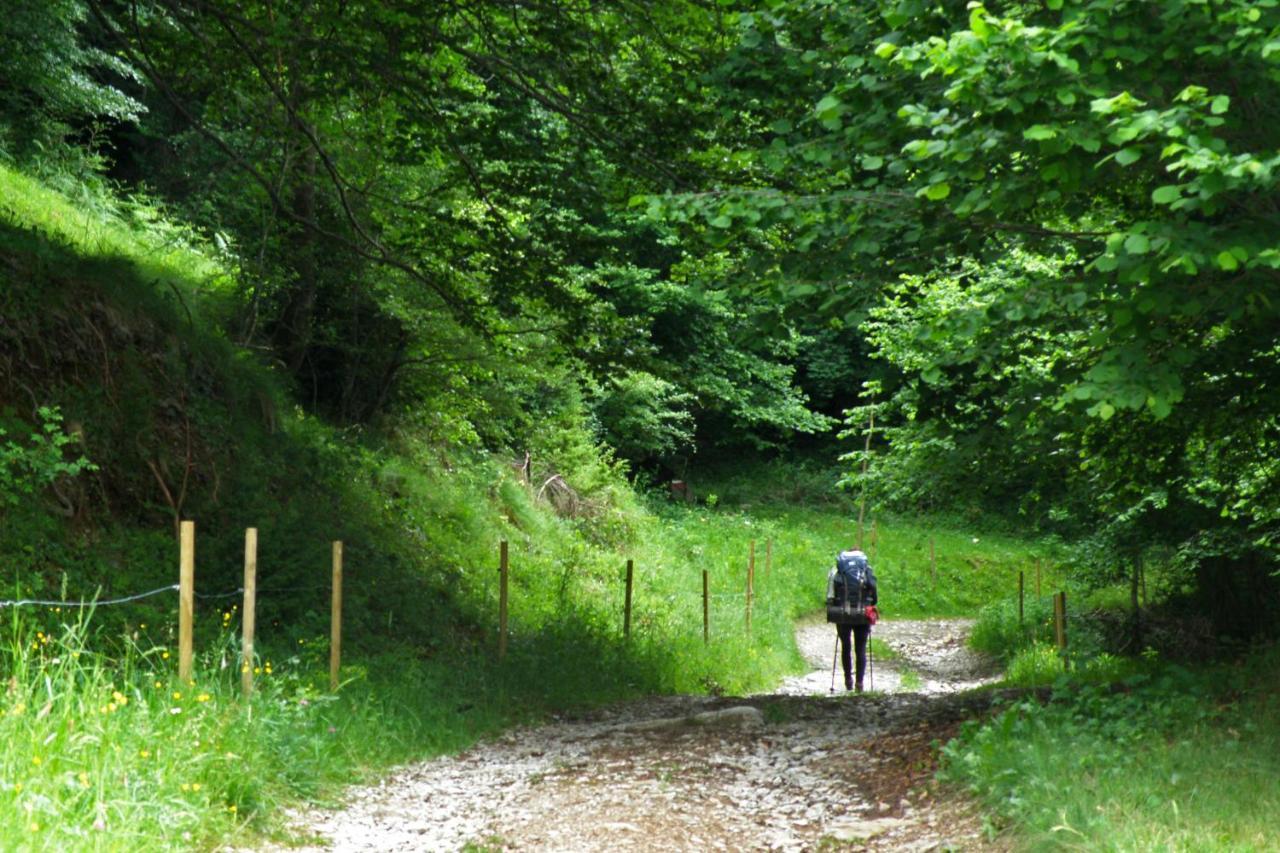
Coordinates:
[792,770]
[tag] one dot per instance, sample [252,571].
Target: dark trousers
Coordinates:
[860,635]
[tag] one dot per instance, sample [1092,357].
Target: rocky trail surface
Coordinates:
[797,769]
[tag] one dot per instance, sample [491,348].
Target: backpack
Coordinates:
[847,589]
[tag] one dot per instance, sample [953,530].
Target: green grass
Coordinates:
[113,753]
[1175,761]
[96,225]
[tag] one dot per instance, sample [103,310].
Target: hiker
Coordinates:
[851,600]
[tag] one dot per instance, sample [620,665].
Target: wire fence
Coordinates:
[127,599]
[40,602]
[187,597]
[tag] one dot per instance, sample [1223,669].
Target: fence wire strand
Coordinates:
[39,602]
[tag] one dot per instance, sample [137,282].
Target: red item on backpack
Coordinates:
[872,615]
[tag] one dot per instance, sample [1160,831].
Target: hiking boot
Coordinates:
[859,685]
[848,684]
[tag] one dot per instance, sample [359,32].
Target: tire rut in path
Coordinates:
[790,770]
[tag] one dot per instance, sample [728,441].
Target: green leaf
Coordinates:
[1054,5]
[1220,105]
[1039,131]
[938,191]
[1106,410]
[872,162]
[722,221]
[1126,156]
[885,49]
[1227,261]
[978,23]
[1137,244]
[828,106]
[1167,194]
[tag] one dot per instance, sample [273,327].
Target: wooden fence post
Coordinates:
[1060,625]
[751,566]
[933,564]
[335,620]
[706,611]
[186,596]
[250,609]
[502,599]
[1021,598]
[626,611]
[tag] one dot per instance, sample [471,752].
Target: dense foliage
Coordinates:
[1035,238]
[1052,221]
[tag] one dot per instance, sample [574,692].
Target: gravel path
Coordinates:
[790,771]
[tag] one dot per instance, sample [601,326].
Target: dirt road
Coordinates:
[792,770]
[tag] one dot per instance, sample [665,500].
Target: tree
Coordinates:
[1120,148]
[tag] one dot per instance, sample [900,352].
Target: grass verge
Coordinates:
[1173,760]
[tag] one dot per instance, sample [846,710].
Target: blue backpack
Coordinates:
[851,589]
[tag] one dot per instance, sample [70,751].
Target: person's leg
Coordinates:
[843,632]
[860,634]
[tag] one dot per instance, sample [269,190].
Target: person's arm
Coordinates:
[871,586]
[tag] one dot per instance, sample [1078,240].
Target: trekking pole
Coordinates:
[871,661]
[835,650]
